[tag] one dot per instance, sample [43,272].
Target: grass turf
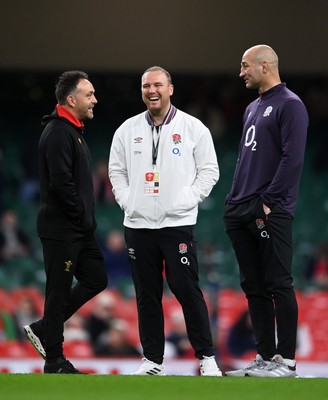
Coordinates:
[120,387]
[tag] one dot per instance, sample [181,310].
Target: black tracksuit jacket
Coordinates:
[66,182]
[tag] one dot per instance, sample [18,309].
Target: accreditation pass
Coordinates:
[151,183]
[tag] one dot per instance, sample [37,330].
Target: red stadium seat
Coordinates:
[78,349]
[12,349]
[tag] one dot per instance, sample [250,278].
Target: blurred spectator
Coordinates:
[114,342]
[177,335]
[316,271]
[24,314]
[241,338]
[101,183]
[232,103]
[14,243]
[210,258]
[74,329]
[204,106]
[116,259]
[7,327]
[30,185]
[101,318]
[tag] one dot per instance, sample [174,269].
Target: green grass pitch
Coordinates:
[120,387]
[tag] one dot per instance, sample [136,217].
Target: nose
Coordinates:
[152,88]
[242,73]
[95,101]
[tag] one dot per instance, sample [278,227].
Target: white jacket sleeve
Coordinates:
[117,170]
[207,169]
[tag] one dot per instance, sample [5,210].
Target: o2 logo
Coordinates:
[265,234]
[250,138]
[185,261]
[176,151]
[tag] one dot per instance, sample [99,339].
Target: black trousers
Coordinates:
[149,250]
[263,248]
[63,261]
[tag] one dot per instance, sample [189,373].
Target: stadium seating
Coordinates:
[313,308]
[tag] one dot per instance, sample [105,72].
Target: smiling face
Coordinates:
[156,91]
[82,100]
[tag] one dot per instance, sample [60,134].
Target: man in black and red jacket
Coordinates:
[66,219]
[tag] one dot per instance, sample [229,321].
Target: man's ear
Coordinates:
[71,100]
[265,66]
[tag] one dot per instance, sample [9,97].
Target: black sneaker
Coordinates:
[36,341]
[62,366]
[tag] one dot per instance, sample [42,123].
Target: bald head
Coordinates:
[263,53]
[259,68]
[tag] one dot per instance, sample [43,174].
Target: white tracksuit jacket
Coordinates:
[186,162]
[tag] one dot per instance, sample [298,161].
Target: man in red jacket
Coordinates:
[66,220]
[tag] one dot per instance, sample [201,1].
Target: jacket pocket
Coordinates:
[185,201]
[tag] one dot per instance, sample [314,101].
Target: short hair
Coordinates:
[67,84]
[157,68]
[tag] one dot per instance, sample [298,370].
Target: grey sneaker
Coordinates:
[257,365]
[277,368]
[35,341]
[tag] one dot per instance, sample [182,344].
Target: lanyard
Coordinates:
[156,130]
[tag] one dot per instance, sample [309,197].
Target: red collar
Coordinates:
[64,113]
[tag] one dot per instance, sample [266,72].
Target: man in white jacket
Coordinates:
[162,164]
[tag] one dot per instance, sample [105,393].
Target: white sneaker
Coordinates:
[208,367]
[149,368]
